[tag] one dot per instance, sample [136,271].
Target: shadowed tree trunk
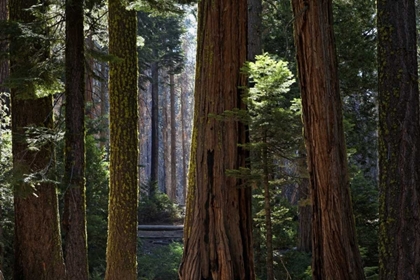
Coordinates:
[217,229]
[335,254]
[38,253]
[74,217]
[399,132]
[123,196]
[154,175]
[4,73]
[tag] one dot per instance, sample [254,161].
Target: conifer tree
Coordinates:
[38,253]
[74,218]
[217,228]
[123,192]
[399,141]
[335,253]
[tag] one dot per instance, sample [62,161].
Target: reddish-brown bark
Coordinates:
[335,252]
[217,231]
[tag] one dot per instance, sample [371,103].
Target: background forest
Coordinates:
[166,59]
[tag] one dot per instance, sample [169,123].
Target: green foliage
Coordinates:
[294,265]
[6,195]
[157,207]
[161,263]
[97,175]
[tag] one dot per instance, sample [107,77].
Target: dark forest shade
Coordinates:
[399,132]
[217,232]
[123,195]
[334,249]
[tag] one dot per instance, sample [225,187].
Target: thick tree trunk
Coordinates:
[154,175]
[123,197]
[217,231]
[38,253]
[173,186]
[305,206]
[74,217]
[399,142]
[335,252]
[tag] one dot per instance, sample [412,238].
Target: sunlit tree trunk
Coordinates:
[335,252]
[38,253]
[399,142]
[121,250]
[74,217]
[217,228]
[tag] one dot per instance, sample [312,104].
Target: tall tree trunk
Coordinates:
[335,253]
[74,217]
[155,124]
[218,231]
[123,194]
[399,142]
[173,186]
[305,205]
[38,253]
[267,210]
[104,143]
[4,73]
[254,29]
[89,79]
[183,146]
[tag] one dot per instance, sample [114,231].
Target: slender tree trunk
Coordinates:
[104,143]
[184,149]
[173,186]
[254,28]
[4,73]
[305,206]
[38,253]
[166,142]
[267,210]
[399,142]
[123,194]
[74,217]
[155,124]
[217,228]
[335,252]
[89,79]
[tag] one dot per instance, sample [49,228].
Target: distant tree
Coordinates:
[74,217]
[335,253]
[217,227]
[399,139]
[38,253]
[123,192]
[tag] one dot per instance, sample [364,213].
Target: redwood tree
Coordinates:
[74,218]
[123,197]
[38,253]
[217,229]
[399,142]
[335,253]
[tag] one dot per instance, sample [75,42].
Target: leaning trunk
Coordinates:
[335,253]
[217,229]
